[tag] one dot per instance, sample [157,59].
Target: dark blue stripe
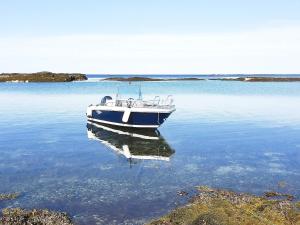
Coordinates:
[135,118]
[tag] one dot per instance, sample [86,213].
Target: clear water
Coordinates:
[236,135]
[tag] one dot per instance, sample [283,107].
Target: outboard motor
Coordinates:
[104,99]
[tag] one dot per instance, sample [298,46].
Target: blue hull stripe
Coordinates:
[135,118]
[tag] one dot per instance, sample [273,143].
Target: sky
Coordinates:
[150,36]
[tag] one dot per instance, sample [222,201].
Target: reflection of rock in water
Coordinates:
[132,143]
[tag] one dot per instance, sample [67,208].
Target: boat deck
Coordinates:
[153,104]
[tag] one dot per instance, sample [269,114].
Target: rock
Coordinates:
[182,193]
[282,184]
[14,216]
[221,207]
[297,205]
[273,194]
[208,219]
[9,196]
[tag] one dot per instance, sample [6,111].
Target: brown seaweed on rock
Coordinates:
[18,216]
[273,194]
[222,207]
[9,196]
[14,216]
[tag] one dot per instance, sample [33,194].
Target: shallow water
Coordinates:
[236,135]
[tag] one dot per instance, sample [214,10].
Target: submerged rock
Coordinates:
[9,196]
[182,193]
[13,216]
[273,194]
[221,207]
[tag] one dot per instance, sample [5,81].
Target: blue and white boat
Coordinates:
[130,112]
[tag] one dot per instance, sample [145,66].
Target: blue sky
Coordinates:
[141,16]
[37,20]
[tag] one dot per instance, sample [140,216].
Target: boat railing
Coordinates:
[136,103]
[110,103]
[167,101]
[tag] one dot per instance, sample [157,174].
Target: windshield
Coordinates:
[129,91]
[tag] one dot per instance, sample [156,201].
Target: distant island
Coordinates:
[69,77]
[148,79]
[244,79]
[42,77]
[260,79]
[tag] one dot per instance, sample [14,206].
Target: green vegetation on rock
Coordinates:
[221,207]
[41,77]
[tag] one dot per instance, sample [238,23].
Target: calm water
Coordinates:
[236,135]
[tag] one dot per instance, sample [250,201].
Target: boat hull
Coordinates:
[135,119]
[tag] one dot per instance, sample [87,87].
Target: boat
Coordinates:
[134,145]
[130,112]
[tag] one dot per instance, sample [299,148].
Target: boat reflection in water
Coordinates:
[131,143]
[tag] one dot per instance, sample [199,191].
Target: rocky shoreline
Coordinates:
[209,207]
[221,207]
[42,77]
[243,79]
[18,216]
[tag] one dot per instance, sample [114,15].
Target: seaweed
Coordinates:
[222,207]
[9,196]
[11,216]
